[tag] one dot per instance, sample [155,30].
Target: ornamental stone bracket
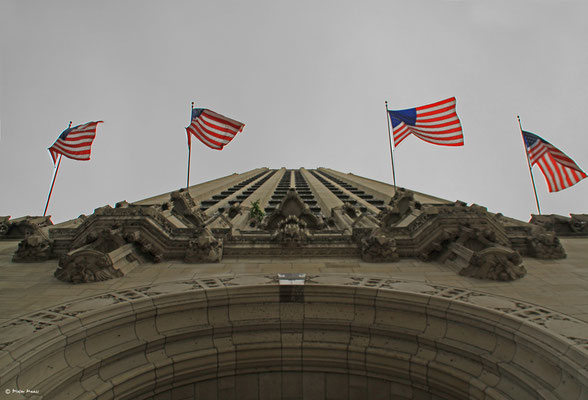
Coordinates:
[89,265]
[379,246]
[292,205]
[19,228]
[477,254]
[204,249]
[292,232]
[33,248]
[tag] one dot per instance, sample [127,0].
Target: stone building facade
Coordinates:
[287,284]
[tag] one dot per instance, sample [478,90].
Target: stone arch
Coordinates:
[355,337]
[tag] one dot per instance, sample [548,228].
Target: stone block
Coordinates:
[206,390]
[189,342]
[378,389]
[105,340]
[35,371]
[254,333]
[263,312]
[185,392]
[127,383]
[175,321]
[407,321]
[204,363]
[247,387]
[463,332]
[121,363]
[291,385]
[537,365]
[336,386]
[291,312]
[270,386]
[75,354]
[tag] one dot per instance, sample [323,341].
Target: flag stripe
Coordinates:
[76,142]
[436,123]
[559,170]
[212,129]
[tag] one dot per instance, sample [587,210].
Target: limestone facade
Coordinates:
[341,288]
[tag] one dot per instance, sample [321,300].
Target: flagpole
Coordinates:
[390,142]
[189,151]
[53,181]
[529,165]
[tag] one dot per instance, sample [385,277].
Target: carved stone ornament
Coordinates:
[89,265]
[184,206]
[544,245]
[575,225]
[204,249]
[496,263]
[291,232]
[379,246]
[33,248]
[478,254]
[292,205]
[19,228]
[401,205]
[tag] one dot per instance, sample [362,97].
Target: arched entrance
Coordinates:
[326,337]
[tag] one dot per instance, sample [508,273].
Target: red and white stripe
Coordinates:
[436,123]
[77,144]
[214,130]
[559,170]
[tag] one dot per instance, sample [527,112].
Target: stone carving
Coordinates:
[379,246]
[19,228]
[292,232]
[292,205]
[496,263]
[234,210]
[33,248]
[90,265]
[146,245]
[544,244]
[479,255]
[401,205]
[184,206]
[205,248]
[575,225]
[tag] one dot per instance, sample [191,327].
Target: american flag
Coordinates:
[560,171]
[76,142]
[212,129]
[435,123]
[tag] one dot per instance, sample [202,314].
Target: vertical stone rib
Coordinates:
[359,200]
[263,194]
[326,200]
[237,196]
[206,190]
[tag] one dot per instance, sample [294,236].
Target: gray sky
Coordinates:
[309,80]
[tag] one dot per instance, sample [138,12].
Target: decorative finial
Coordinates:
[192,105]
[69,126]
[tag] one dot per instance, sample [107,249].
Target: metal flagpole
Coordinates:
[390,141]
[529,165]
[189,150]
[53,181]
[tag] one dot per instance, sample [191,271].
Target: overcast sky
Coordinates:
[308,79]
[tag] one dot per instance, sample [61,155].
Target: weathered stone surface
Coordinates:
[292,232]
[478,254]
[33,248]
[292,205]
[379,247]
[205,248]
[574,225]
[19,228]
[90,265]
